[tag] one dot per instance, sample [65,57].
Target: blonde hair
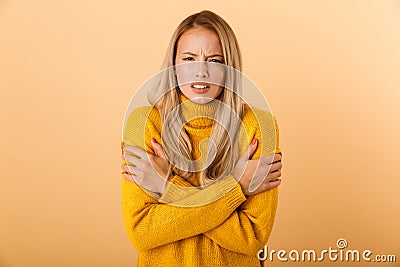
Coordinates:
[164,96]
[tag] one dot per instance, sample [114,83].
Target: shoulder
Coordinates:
[255,118]
[143,114]
[138,122]
[262,125]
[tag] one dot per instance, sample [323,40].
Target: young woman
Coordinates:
[187,202]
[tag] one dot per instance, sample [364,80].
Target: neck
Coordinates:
[198,115]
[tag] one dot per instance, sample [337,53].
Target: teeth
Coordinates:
[199,86]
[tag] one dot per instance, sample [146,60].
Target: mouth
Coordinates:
[200,87]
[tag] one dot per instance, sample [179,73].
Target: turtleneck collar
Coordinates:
[198,115]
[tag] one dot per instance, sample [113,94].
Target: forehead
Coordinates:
[199,39]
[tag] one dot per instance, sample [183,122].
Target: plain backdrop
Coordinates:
[330,71]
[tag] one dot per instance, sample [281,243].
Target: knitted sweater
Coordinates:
[227,230]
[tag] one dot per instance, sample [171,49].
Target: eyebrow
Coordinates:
[193,54]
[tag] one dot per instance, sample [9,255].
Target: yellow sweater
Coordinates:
[229,230]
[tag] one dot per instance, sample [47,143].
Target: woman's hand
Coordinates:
[257,175]
[147,170]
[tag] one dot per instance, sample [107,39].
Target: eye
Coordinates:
[216,61]
[188,58]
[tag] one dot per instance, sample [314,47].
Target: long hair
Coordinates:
[165,98]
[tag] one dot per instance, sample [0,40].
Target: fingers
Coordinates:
[272,176]
[158,148]
[253,147]
[250,149]
[271,159]
[132,178]
[132,160]
[265,187]
[270,185]
[270,163]
[135,150]
[127,173]
[128,169]
[139,156]
[276,166]
[277,157]
[128,177]
[125,168]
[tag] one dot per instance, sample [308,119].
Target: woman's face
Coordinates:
[201,80]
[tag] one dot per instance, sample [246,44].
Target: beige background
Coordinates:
[329,69]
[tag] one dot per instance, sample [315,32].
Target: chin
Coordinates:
[201,99]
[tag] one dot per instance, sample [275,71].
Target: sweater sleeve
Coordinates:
[248,228]
[148,222]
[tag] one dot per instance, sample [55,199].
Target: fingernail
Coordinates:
[253,142]
[153,140]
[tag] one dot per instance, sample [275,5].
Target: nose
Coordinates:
[201,69]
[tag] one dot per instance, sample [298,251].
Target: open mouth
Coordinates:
[200,87]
